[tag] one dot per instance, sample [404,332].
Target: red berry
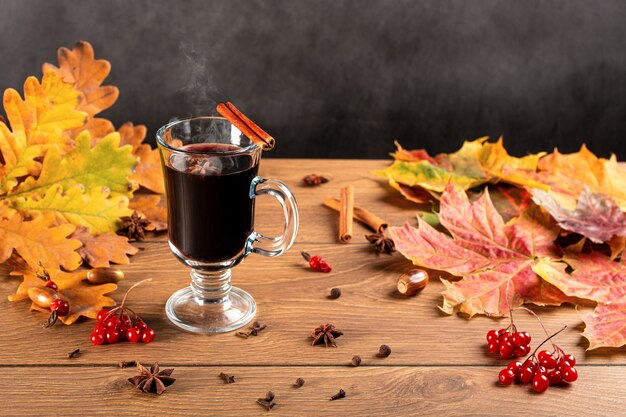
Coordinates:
[515,366]
[527,373]
[519,351]
[133,335]
[101,330]
[147,335]
[506,349]
[317,263]
[526,337]
[554,376]
[113,335]
[540,369]
[141,325]
[97,339]
[506,376]
[518,339]
[126,321]
[51,284]
[570,359]
[540,383]
[111,322]
[504,337]
[569,374]
[62,307]
[501,332]
[546,359]
[493,347]
[492,336]
[102,314]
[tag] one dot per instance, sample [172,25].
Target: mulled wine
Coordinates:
[211,214]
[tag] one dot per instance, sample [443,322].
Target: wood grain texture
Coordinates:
[431,352]
[370,391]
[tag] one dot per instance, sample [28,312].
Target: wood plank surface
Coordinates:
[432,353]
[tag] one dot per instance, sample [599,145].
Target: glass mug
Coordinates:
[211,180]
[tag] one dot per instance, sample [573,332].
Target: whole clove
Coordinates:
[73,353]
[229,379]
[254,330]
[126,364]
[267,402]
[340,394]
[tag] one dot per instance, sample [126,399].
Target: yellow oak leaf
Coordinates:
[47,110]
[96,209]
[38,241]
[80,68]
[99,251]
[84,299]
[104,165]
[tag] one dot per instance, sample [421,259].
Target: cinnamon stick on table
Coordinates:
[346,213]
[250,129]
[364,216]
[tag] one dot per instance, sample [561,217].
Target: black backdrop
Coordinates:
[332,78]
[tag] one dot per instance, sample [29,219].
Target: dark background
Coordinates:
[333,78]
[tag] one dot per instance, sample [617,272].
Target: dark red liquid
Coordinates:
[210,210]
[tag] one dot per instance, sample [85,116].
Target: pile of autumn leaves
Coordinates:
[66,178]
[545,229]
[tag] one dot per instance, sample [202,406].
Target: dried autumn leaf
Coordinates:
[99,251]
[595,277]
[84,299]
[48,109]
[37,241]
[596,215]
[148,172]
[104,165]
[494,259]
[149,206]
[96,210]
[476,163]
[567,175]
[80,68]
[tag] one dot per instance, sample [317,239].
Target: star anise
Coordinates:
[314,179]
[326,333]
[152,380]
[381,243]
[134,227]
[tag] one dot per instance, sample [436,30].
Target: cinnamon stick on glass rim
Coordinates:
[364,216]
[250,129]
[346,213]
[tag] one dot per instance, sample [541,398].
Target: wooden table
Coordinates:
[439,364]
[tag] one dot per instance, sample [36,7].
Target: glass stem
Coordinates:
[211,286]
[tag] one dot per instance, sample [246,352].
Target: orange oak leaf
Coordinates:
[148,172]
[595,277]
[150,207]
[99,251]
[84,299]
[38,241]
[80,68]
[494,259]
[596,215]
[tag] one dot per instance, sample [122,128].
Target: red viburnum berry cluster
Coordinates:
[121,323]
[509,343]
[543,370]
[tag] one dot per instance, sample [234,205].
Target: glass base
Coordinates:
[195,314]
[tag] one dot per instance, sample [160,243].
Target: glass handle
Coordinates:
[275,246]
